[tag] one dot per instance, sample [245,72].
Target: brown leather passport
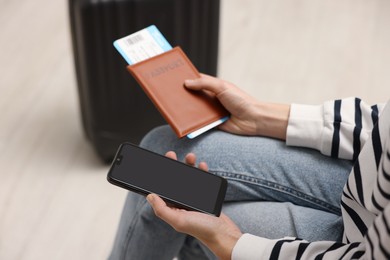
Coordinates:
[162,78]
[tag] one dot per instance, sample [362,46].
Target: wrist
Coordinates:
[223,245]
[272,120]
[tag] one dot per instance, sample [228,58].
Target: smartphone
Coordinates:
[184,186]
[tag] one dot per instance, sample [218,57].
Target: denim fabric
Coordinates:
[273,191]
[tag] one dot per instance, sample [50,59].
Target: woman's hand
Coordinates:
[248,116]
[219,234]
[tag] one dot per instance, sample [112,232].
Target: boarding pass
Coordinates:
[142,45]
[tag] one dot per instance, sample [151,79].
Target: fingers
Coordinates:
[161,209]
[206,82]
[173,216]
[203,166]
[171,155]
[189,159]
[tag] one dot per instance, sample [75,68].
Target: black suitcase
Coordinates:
[113,107]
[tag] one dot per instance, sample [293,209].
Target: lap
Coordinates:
[140,230]
[274,191]
[262,169]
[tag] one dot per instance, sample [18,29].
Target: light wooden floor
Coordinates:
[55,202]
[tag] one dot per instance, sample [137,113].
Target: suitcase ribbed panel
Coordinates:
[113,107]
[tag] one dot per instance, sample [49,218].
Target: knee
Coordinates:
[158,138]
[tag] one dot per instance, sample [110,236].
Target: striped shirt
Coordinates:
[348,129]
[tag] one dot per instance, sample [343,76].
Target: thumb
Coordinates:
[155,201]
[206,82]
[160,208]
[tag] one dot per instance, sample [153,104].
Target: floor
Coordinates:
[55,202]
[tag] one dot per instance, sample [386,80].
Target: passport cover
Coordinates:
[162,79]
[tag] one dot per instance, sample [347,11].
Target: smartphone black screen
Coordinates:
[185,186]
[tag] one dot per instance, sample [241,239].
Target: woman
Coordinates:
[297,190]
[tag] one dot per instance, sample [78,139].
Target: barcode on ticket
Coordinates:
[142,45]
[134,39]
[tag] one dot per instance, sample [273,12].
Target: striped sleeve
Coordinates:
[374,246]
[338,128]
[365,210]
[250,247]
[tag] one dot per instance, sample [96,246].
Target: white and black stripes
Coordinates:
[277,248]
[357,129]
[353,120]
[374,114]
[367,193]
[336,131]
[368,188]
[366,197]
[378,237]
[301,249]
[296,249]
[385,194]
[351,130]
[354,216]
[358,182]
[376,143]
[381,194]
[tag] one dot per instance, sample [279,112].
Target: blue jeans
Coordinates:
[274,191]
